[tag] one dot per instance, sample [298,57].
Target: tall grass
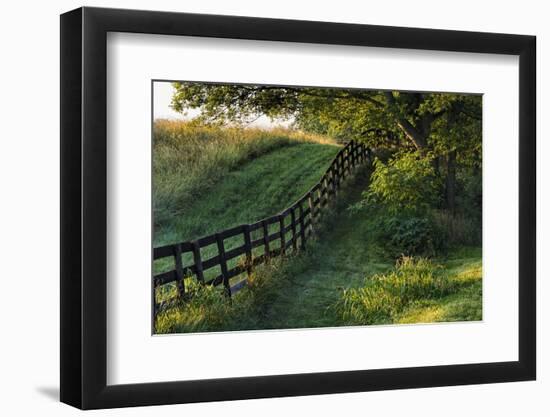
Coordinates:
[209,309]
[189,158]
[385,296]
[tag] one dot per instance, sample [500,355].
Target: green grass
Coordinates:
[259,189]
[189,160]
[309,289]
[415,291]
[464,268]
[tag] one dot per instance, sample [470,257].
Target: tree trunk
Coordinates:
[450,183]
[417,136]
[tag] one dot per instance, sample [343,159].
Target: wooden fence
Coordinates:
[294,226]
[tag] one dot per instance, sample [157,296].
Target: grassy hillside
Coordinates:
[193,163]
[342,279]
[199,189]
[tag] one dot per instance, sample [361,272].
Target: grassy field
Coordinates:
[189,161]
[341,279]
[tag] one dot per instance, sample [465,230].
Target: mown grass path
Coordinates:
[341,257]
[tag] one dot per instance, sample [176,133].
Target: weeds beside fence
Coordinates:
[257,242]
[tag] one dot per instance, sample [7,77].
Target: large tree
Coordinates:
[443,127]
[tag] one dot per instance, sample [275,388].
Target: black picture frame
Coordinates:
[84,207]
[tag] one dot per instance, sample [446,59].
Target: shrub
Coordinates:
[457,228]
[384,296]
[409,235]
[407,182]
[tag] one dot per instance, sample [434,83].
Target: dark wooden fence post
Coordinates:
[223,264]
[302,229]
[248,248]
[266,238]
[319,207]
[293,225]
[180,283]
[311,210]
[198,261]
[282,232]
[344,166]
[155,305]
[338,175]
[342,172]
[333,175]
[349,161]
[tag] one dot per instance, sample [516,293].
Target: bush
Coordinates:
[402,235]
[407,182]
[384,296]
[457,228]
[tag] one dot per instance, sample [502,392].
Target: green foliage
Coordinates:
[406,183]
[409,235]
[378,117]
[469,196]
[457,229]
[384,296]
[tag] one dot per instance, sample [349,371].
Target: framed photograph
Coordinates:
[256,208]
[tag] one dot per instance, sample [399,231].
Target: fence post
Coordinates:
[266,238]
[302,231]
[179,271]
[320,204]
[344,174]
[333,175]
[282,232]
[223,264]
[198,261]
[155,306]
[348,159]
[248,248]
[310,204]
[338,173]
[325,185]
[293,225]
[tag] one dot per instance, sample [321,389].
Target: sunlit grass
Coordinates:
[416,291]
[189,159]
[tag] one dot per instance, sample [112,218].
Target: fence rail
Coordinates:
[302,216]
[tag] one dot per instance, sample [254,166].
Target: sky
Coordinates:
[162,97]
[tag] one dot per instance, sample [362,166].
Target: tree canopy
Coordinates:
[444,128]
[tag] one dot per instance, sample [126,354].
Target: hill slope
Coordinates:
[258,189]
